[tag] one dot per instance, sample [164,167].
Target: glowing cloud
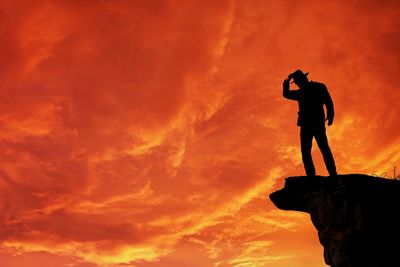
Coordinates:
[151,132]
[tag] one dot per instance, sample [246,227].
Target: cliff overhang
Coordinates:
[356,216]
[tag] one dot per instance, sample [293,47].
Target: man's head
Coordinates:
[300,78]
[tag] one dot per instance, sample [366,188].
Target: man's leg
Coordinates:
[322,141]
[306,136]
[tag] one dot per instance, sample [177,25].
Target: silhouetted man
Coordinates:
[311,96]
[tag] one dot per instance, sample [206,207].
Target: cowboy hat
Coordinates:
[298,74]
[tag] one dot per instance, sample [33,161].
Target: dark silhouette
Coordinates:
[312,96]
[356,216]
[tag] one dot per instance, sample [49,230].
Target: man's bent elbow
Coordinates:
[287,95]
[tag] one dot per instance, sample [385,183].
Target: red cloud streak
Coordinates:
[150,133]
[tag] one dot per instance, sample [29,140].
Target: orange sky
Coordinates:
[150,132]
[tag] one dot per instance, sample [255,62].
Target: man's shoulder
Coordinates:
[317,84]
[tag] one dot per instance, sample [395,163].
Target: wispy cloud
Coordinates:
[148,133]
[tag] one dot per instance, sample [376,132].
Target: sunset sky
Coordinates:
[149,133]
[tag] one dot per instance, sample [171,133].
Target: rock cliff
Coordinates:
[356,216]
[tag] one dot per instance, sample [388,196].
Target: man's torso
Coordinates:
[311,102]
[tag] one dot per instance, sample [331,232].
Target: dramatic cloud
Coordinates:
[150,133]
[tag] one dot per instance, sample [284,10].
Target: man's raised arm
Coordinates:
[287,93]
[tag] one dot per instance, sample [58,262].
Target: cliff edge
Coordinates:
[357,216]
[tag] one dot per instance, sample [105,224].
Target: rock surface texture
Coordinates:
[357,216]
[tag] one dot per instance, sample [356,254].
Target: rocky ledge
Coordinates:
[357,216]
